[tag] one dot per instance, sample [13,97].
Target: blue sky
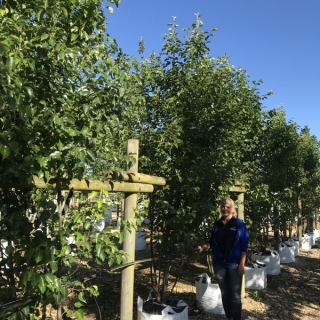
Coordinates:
[277,41]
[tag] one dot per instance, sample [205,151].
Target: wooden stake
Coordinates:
[127,275]
[241,216]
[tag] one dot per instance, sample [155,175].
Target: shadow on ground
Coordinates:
[294,294]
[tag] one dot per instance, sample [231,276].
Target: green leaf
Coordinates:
[93,194]
[79,314]
[91,154]
[39,15]
[81,297]
[3,49]
[56,155]
[42,161]
[86,108]
[85,130]
[99,204]
[62,55]
[119,259]
[18,81]
[38,255]
[66,250]
[50,278]
[35,279]
[60,145]
[110,9]
[121,92]
[65,12]
[87,225]
[57,297]
[3,12]
[98,249]
[74,36]
[42,284]
[44,36]
[53,265]
[30,92]
[10,63]
[24,278]
[5,152]
[64,292]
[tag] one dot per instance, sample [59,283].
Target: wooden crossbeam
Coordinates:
[82,185]
[137,177]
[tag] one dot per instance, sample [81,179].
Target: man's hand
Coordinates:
[240,270]
[205,247]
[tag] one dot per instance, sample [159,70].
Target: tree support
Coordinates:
[127,275]
[81,185]
[241,216]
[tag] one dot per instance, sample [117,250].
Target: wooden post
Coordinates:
[300,225]
[127,278]
[241,206]
[316,218]
[241,216]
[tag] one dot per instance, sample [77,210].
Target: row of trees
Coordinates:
[69,101]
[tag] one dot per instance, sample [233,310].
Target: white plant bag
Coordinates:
[305,244]
[272,261]
[167,313]
[294,244]
[312,239]
[286,253]
[208,295]
[255,276]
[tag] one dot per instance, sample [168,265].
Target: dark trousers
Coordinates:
[230,285]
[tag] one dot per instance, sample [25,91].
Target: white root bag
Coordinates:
[305,244]
[286,253]
[272,261]
[208,295]
[256,276]
[312,238]
[166,314]
[294,244]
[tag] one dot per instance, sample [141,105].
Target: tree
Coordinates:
[198,132]
[287,161]
[60,87]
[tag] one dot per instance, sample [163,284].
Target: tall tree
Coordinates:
[288,166]
[199,131]
[60,94]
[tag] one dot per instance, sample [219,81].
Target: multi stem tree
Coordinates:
[199,131]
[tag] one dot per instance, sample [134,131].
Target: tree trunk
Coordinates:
[316,218]
[276,228]
[300,231]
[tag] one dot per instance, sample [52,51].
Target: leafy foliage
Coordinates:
[59,92]
[58,81]
[47,260]
[199,131]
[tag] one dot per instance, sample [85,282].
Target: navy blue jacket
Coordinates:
[240,245]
